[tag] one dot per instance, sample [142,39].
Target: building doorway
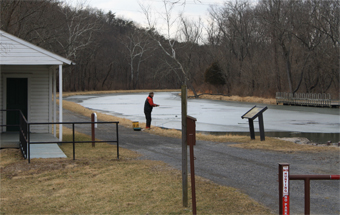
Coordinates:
[17,98]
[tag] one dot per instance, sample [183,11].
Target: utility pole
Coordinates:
[184,147]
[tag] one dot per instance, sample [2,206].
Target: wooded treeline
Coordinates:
[275,45]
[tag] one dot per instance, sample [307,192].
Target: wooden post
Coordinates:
[192,169]
[191,139]
[184,147]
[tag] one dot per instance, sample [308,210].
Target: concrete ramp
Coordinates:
[51,150]
[9,140]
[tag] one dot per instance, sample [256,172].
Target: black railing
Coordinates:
[23,132]
[73,136]
[17,124]
[22,128]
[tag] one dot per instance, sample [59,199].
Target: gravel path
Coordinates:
[253,172]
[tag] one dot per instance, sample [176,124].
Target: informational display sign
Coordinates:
[251,115]
[254,112]
[285,196]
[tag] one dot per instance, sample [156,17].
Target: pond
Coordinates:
[219,117]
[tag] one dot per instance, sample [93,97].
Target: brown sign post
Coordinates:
[191,139]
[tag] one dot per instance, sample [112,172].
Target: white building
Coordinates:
[28,82]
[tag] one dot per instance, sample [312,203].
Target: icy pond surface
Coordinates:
[219,116]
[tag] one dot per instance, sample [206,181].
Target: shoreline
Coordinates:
[252,99]
[272,143]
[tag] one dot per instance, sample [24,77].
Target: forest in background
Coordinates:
[248,50]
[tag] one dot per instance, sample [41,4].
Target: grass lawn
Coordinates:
[97,183]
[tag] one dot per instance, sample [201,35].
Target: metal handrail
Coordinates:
[284,187]
[23,132]
[14,125]
[73,135]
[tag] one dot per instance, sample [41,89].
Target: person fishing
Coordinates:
[148,106]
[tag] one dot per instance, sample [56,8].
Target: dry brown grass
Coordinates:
[234,98]
[271,144]
[100,116]
[252,99]
[9,156]
[97,183]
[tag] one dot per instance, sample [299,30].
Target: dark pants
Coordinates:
[148,119]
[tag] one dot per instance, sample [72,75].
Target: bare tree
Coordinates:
[288,45]
[79,29]
[235,35]
[170,45]
[29,20]
[139,48]
[277,17]
[296,28]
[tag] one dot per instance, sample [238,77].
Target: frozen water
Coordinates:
[213,116]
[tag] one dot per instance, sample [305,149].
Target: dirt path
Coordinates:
[253,172]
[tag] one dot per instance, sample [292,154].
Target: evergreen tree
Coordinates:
[214,75]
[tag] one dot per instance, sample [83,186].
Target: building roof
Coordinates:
[16,51]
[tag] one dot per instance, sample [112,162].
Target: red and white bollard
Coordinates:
[284,189]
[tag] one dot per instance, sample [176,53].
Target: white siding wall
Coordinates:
[39,95]
[1,103]
[40,99]
[15,53]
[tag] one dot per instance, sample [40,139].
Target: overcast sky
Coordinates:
[131,10]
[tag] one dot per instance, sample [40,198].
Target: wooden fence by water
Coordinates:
[306,99]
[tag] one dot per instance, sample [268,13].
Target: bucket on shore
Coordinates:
[135,126]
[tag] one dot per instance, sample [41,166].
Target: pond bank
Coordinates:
[252,99]
[240,138]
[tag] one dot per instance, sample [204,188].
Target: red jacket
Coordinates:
[149,104]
